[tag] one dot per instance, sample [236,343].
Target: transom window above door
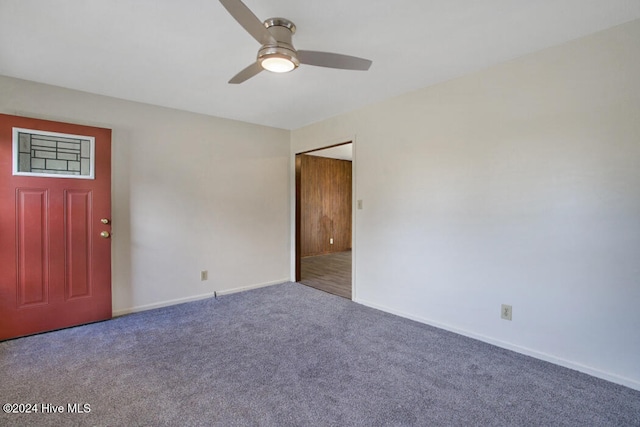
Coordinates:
[57,155]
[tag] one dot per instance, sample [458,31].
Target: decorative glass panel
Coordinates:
[59,155]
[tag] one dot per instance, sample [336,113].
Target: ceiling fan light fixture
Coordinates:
[277,64]
[277,53]
[278,59]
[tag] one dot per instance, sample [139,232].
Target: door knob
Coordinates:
[105,220]
[105,234]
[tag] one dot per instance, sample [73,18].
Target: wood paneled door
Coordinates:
[55,225]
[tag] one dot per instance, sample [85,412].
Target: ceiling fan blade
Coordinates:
[249,21]
[333,60]
[247,73]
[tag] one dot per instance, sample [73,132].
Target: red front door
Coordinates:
[55,247]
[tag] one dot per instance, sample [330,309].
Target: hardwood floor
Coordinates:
[330,273]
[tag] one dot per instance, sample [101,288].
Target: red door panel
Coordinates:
[78,235]
[55,268]
[32,246]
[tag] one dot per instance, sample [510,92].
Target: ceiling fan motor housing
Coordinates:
[282,29]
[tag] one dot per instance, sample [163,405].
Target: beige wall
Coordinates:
[519,184]
[190,193]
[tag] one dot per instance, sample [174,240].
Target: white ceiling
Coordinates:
[181,54]
[340,152]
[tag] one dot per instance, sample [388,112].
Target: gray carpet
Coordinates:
[289,355]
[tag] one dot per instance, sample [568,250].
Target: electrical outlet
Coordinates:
[331,241]
[359,204]
[505,312]
[204,275]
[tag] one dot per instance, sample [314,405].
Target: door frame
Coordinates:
[298,209]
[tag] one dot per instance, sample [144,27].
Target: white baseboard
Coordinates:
[167,303]
[627,382]
[249,287]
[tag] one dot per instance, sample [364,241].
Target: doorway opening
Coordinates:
[323,229]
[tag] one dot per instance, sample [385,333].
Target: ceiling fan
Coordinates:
[277,53]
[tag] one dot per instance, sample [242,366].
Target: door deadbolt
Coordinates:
[105,220]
